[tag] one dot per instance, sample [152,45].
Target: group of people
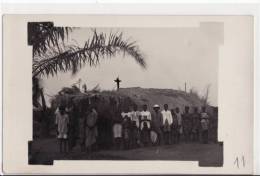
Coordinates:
[144,128]
[137,128]
[65,125]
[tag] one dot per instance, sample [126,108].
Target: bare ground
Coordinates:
[46,150]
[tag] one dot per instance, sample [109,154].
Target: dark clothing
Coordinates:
[117,143]
[195,121]
[73,126]
[167,137]
[145,136]
[81,135]
[195,126]
[205,134]
[91,129]
[157,123]
[126,132]
[187,125]
[105,134]
[134,135]
[175,130]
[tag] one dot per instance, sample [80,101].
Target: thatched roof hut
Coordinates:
[103,101]
[125,98]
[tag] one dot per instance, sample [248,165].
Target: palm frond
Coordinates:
[43,36]
[73,57]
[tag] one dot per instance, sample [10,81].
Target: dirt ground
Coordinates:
[44,151]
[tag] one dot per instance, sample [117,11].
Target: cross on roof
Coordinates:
[117,82]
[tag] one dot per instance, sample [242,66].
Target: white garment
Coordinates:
[135,117]
[154,137]
[126,114]
[167,115]
[145,118]
[62,121]
[117,130]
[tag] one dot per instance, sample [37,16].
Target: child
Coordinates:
[145,134]
[145,126]
[62,121]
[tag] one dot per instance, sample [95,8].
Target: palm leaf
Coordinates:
[44,36]
[73,57]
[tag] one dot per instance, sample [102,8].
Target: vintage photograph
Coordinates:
[104,93]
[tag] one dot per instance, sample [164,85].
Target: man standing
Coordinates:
[157,123]
[195,124]
[91,128]
[187,126]
[167,122]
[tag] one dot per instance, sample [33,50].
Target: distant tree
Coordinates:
[206,96]
[194,92]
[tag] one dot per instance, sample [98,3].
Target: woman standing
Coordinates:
[91,129]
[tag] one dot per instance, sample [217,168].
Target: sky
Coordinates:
[173,55]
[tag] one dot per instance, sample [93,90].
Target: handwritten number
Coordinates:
[238,161]
[243,159]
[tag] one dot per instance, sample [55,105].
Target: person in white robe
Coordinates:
[167,122]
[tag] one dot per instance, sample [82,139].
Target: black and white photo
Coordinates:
[125,93]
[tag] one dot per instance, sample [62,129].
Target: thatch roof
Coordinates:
[127,97]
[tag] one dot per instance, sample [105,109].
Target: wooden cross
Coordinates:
[117,82]
[84,86]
